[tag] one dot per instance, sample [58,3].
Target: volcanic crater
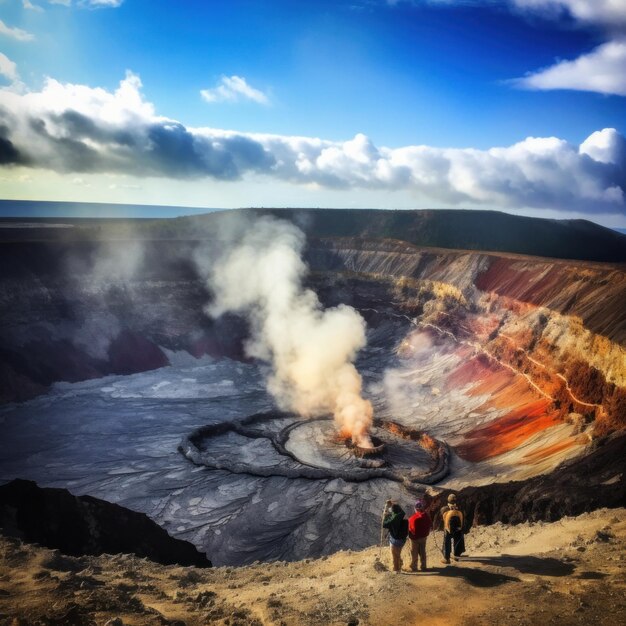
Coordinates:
[481,367]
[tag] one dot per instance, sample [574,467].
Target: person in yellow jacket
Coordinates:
[453,530]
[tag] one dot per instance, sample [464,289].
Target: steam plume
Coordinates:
[311,350]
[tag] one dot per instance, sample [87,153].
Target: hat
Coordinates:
[451,498]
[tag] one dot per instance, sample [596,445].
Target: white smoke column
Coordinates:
[311,350]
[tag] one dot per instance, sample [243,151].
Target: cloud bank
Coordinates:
[80,129]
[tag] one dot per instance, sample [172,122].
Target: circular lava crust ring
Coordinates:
[439,452]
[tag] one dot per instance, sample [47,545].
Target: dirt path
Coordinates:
[568,572]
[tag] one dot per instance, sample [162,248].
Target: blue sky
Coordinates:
[437,74]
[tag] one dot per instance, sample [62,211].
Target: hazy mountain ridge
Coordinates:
[445,228]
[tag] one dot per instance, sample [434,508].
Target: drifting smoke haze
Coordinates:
[259,274]
[110,267]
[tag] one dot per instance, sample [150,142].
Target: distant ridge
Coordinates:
[464,229]
[25,210]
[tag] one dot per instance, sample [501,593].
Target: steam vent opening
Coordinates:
[376,448]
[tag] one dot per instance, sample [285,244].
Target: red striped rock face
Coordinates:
[508,432]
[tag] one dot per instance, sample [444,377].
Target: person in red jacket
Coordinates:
[419,529]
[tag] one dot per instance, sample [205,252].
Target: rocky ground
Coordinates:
[567,572]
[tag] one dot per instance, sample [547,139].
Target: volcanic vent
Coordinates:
[283,444]
[375,450]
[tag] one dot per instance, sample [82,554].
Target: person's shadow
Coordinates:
[475,577]
[542,566]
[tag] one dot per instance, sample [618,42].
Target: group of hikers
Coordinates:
[417,528]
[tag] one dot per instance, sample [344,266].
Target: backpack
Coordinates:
[453,520]
[403,531]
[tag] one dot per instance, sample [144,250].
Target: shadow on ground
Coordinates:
[591,575]
[542,566]
[475,577]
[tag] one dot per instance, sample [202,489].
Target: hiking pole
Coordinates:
[436,542]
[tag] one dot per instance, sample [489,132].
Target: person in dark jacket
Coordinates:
[419,529]
[397,525]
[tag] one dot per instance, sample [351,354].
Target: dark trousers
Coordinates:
[453,542]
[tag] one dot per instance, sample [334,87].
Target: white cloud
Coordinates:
[603,70]
[84,130]
[112,4]
[234,89]
[27,4]
[8,69]
[605,146]
[94,4]
[606,12]
[15,33]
